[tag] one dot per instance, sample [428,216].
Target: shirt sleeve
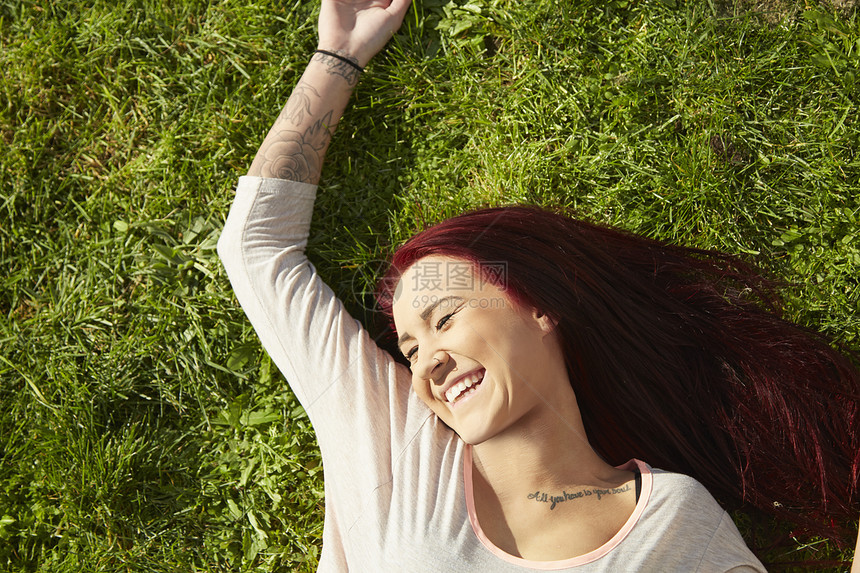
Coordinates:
[356,396]
[728,552]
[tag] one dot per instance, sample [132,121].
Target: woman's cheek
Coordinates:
[422,389]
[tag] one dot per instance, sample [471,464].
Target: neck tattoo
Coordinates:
[553,500]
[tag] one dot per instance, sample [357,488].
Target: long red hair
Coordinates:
[678,356]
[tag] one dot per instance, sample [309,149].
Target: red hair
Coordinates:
[678,356]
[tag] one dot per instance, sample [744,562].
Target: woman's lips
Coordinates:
[458,390]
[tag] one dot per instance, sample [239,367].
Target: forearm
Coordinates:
[297,142]
[354,29]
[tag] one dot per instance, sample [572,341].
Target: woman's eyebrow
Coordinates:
[426,313]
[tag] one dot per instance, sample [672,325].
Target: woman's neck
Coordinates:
[546,449]
[539,484]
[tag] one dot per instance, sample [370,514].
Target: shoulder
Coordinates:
[682,491]
[686,514]
[676,504]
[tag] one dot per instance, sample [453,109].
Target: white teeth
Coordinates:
[457,389]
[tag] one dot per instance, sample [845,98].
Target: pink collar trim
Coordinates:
[647,484]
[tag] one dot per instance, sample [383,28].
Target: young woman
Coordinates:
[509,443]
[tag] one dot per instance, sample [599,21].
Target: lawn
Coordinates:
[143,428]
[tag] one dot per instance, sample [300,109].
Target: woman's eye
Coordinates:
[412,354]
[443,321]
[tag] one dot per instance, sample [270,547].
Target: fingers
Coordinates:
[398,8]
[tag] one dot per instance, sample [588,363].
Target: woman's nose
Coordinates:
[432,367]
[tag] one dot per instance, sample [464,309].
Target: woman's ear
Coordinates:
[546,323]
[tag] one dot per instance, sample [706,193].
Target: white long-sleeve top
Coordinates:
[398,493]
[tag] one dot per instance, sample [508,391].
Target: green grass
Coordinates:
[142,428]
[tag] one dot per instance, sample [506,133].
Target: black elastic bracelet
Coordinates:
[341,58]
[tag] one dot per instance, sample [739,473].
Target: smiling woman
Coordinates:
[547,358]
[473,337]
[674,355]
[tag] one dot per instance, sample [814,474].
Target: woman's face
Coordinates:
[480,362]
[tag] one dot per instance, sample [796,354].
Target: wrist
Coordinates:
[342,57]
[339,63]
[344,49]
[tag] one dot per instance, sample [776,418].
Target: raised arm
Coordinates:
[350,34]
[356,396]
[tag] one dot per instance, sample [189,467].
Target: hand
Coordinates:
[359,28]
